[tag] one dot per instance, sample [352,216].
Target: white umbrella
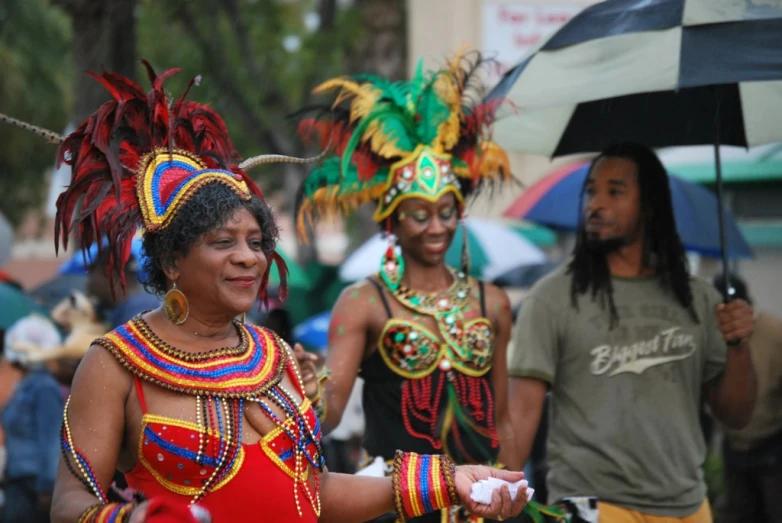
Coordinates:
[497,247]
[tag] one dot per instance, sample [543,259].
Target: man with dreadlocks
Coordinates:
[626,342]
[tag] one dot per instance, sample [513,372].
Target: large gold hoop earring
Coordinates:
[176,306]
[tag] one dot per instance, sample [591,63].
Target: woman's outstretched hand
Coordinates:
[502,505]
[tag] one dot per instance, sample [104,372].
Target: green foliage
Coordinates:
[236,45]
[35,84]
[248,75]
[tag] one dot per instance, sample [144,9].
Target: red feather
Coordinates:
[104,153]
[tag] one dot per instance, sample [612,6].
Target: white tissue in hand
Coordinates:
[482,490]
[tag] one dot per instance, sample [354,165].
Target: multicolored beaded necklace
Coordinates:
[221,380]
[445,307]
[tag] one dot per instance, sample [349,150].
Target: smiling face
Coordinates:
[425,230]
[223,270]
[612,204]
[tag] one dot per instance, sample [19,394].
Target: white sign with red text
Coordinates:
[511,31]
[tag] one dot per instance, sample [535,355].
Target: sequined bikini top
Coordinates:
[414,351]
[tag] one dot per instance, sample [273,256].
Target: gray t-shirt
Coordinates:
[624,404]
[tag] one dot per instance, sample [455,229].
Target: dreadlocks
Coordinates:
[662,247]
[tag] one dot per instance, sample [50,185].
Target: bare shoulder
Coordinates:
[495,295]
[363,288]
[358,298]
[497,304]
[101,373]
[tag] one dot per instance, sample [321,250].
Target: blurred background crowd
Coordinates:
[264,57]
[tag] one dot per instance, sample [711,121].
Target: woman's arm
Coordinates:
[347,342]
[498,306]
[94,426]
[377,495]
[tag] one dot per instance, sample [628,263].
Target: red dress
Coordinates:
[274,479]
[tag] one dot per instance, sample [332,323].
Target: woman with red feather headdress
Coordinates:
[206,416]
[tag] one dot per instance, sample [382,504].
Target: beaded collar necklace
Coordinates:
[247,369]
[221,380]
[432,304]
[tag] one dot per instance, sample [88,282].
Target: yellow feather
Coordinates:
[447,134]
[448,131]
[364,93]
[455,64]
[304,217]
[364,102]
[493,161]
[379,142]
[341,82]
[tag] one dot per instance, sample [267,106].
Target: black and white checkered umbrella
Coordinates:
[659,72]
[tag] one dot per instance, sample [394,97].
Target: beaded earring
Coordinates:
[392,265]
[176,306]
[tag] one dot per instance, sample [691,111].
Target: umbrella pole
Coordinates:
[721,216]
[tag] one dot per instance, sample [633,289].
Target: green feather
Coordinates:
[416,86]
[433,112]
[352,184]
[326,175]
[403,131]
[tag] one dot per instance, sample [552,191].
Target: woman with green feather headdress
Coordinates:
[428,340]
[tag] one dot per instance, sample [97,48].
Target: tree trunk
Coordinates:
[381,51]
[122,37]
[89,23]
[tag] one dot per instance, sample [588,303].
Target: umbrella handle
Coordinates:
[721,213]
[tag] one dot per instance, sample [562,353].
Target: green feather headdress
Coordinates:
[390,141]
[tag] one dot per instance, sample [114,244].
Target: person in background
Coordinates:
[116,308]
[753,455]
[31,421]
[8,379]
[628,342]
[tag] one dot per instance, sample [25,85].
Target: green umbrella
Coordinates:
[296,275]
[15,304]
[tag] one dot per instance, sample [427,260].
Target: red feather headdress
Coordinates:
[137,159]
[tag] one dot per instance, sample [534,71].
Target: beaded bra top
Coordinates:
[413,351]
[196,459]
[445,395]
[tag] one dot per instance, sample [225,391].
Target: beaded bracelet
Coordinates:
[113,512]
[423,484]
